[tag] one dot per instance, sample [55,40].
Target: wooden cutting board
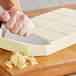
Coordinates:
[57,64]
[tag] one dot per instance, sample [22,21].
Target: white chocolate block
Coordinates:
[42,22]
[65,11]
[49,34]
[63,28]
[70,22]
[58,28]
[53,17]
[62,43]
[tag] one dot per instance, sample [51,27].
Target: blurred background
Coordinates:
[39,4]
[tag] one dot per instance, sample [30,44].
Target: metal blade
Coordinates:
[33,39]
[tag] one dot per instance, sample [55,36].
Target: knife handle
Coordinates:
[0,29]
[1,22]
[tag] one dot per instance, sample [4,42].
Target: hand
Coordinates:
[17,22]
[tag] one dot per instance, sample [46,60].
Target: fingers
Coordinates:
[30,28]
[18,23]
[17,27]
[5,16]
[27,28]
[27,33]
[23,27]
[22,30]
[10,24]
[20,26]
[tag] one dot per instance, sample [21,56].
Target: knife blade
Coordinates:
[33,38]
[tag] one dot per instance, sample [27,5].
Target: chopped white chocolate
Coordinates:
[21,61]
[9,64]
[16,58]
[22,65]
[33,61]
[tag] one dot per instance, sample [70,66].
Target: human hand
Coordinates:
[17,22]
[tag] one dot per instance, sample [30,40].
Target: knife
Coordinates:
[2,29]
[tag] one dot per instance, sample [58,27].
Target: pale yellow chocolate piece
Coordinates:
[21,61]
[9,64]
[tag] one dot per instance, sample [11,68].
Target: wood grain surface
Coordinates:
[58,64]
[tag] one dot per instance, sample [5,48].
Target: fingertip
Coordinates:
[10,25]
[12,32]
[26,34]
[5,16]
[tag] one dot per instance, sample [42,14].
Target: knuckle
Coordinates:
[22,17]
[16,12]
[27,34]
[7,26]
[13,31]
[20,34]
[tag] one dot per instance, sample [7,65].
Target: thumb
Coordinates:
[5,16]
